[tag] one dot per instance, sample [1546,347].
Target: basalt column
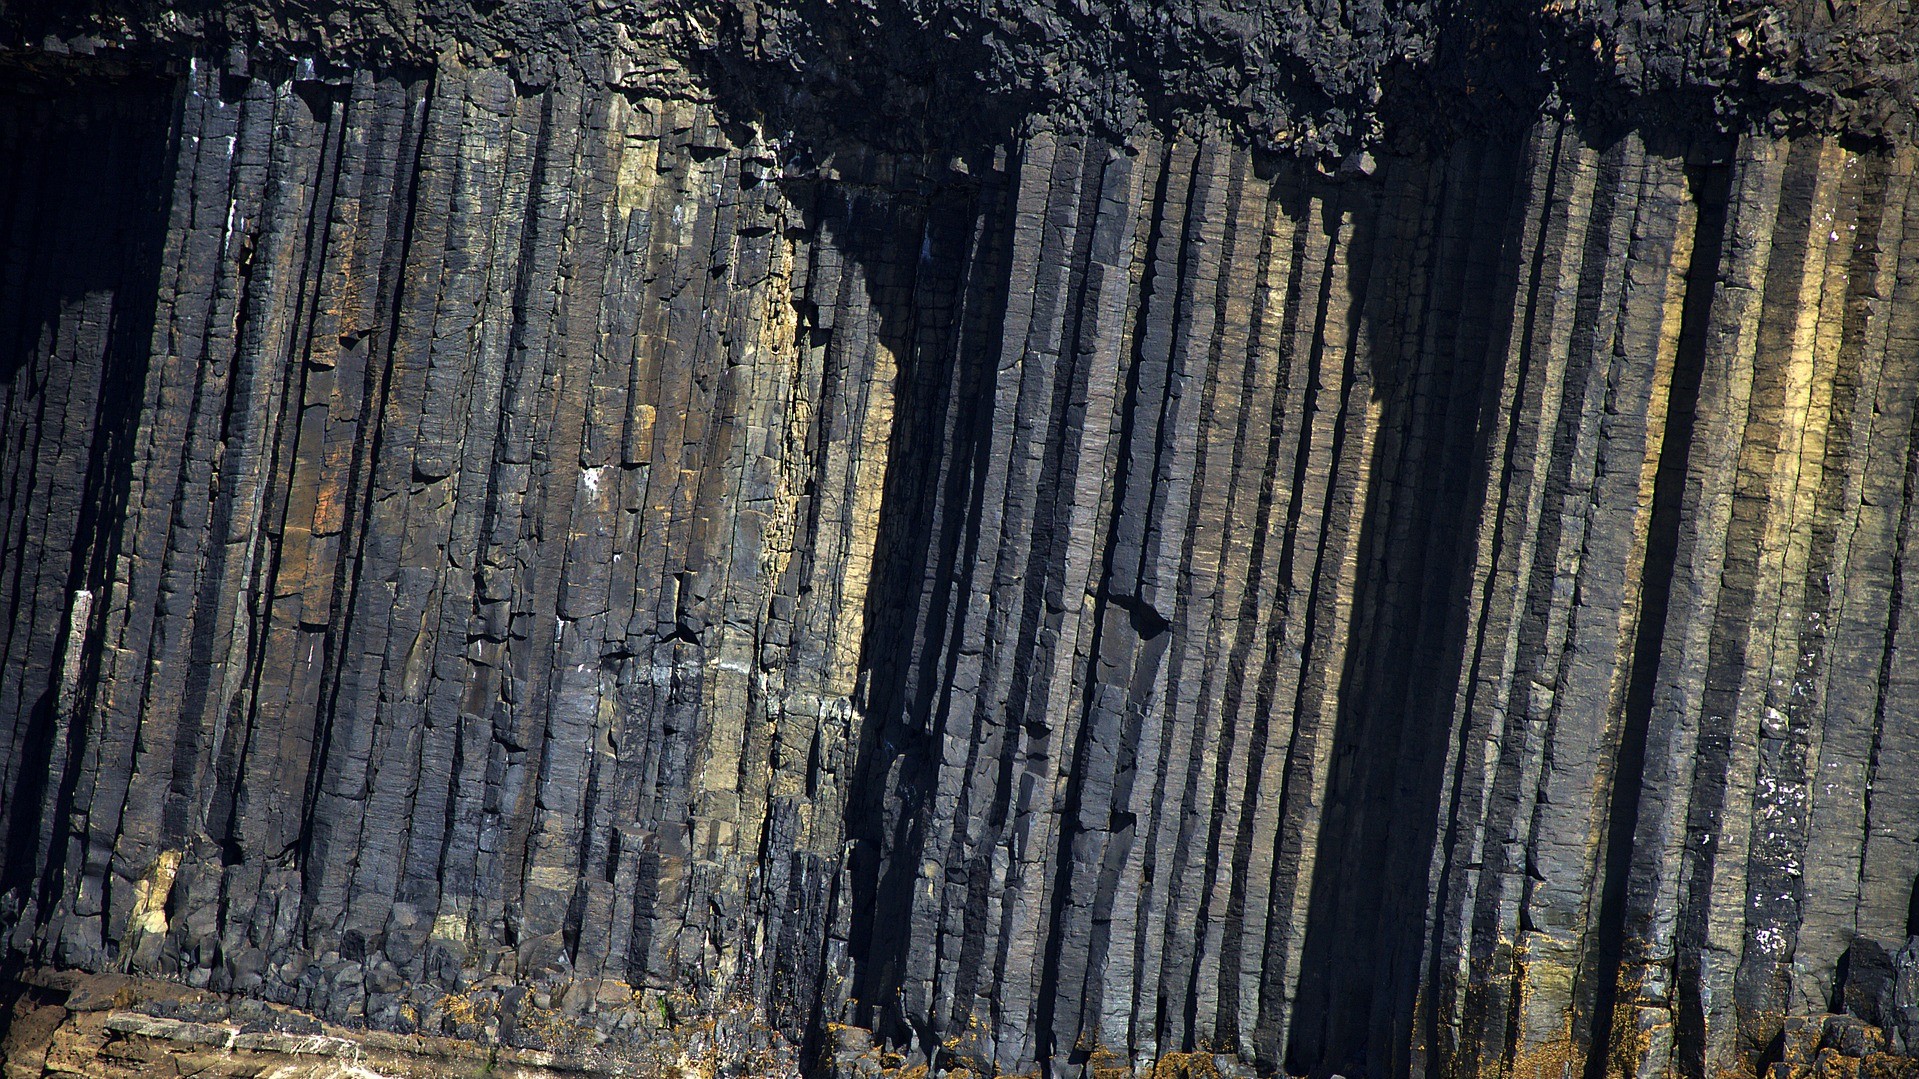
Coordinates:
[524,559]
[1441,622]
[487,591]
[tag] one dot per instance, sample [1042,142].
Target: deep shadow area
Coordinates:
[1360,967]
[937,456]
[87,148]
[924,239]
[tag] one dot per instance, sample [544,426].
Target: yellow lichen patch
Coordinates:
[1887,1066]
[1543,1052]
[639,151]
[461,1009]
[1635,1032]
[557,1031]
[1197,1065]
[1106,1064]
[450,927]
[150,896]
[1557,1059]
[1835,1065]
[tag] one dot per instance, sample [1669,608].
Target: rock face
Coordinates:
[110,1026]
[540,554]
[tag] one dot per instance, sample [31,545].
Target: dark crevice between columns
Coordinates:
[1710,187]
[1120,612]
[924,552]
[1358,973]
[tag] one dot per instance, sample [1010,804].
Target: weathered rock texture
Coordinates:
[110,1026]
[479,548]
[1327,75]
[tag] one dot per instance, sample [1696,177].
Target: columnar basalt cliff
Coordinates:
[1159,549]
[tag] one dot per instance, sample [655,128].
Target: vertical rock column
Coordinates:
[1340,652]
[555,549]
[81,218]
[1764,847]
[486,603]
